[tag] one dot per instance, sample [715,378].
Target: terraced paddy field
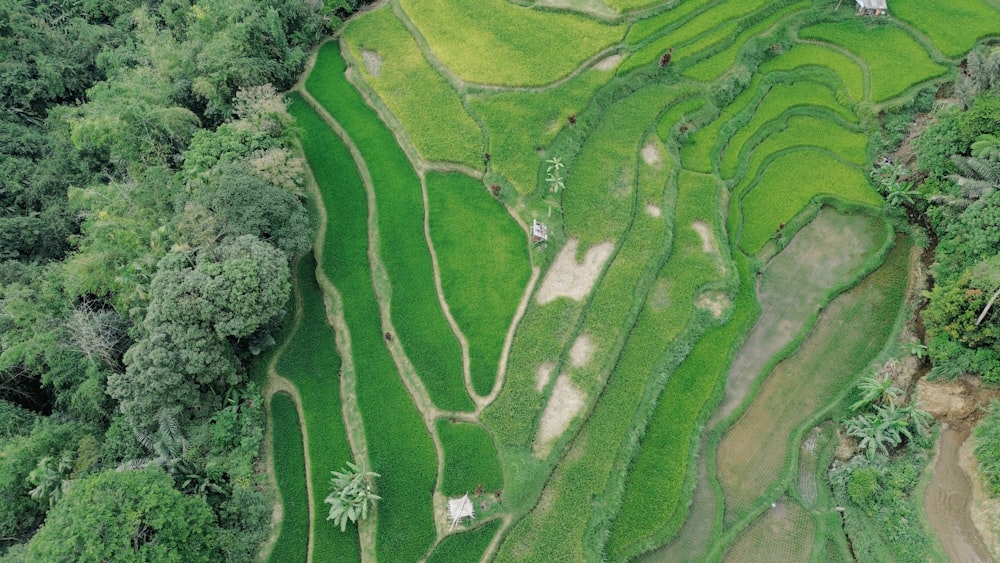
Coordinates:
[608,267]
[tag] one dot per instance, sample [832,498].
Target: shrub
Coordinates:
[988,447]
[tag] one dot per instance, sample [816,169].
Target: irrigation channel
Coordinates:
[609,267]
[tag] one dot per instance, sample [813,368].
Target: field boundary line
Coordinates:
[866,70]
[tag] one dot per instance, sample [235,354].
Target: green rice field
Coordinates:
[550,237]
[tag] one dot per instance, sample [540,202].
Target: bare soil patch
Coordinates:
[566,402]
[543,375]
[793,286]
[651,155]
[567,278]
[373,62]
[653,210]
[582,350]
[608,63]
[714,301]
[985,509]
[707,237]
[947,501]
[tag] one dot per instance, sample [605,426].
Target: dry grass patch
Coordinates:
[569,278]
[566,402]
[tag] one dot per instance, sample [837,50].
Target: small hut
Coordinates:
[871,7]
[539,232]
[459,508]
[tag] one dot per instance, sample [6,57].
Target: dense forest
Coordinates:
[150,204]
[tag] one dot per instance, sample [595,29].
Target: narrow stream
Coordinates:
[947,501]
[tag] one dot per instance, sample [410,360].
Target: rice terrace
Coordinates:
[609,280]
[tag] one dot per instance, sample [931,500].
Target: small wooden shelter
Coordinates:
[871,7]
[459,508]
[539,232]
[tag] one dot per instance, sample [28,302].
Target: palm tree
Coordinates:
[351,495]
[50,478]
[880,430]
[890,179]
[876,389]
[976,176]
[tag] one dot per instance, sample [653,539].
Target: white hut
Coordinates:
[459,508]
[539,232]
[876,7]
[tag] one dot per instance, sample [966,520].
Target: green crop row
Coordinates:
[788,183]
[416,311]
[465,547]
[678,114]
[697,151]
[800,55]
[404,80]
[399,446]
[707,28]
[599,195]
[714,66]
[483,258]
[470,459]
[290,472]
[895,59]
[954,26]
[755,451]
[678,14]
[520,124]
[499,42]
[310,361]
[796,128]
[657,486]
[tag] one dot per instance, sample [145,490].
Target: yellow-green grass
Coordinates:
[310,361]
[290,472]
[470,459]
[755,452]
[680,110]
[440,131]
[696,153]
[559,531]
[788,183]
[600,184]
[656,498]
[465,547]
[499,42]
[793,129]
[399,445]
[422,328]
[628,5]
[645,28]
[783,534]
[822,56]
[700,32]
[716,65]
[520,124]
[779,99]
[954,26]
[483,258]
[616,300]
[896,60]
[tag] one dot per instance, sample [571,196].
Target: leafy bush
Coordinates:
[988,447]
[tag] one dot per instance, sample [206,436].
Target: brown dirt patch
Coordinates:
[543,375]
[373,62]
[582,350]
[947,501]
[651,155]
[793,286]
[714,301]
[707,238]
[950,401]
[653,210]
[984,509]
[608,63]
[568,278]
[566,402]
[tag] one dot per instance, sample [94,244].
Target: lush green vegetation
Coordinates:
[882,46]
[498,42]
[470,459]
[954,28]
[403,79]
[846,69]
[290,473]
[392,423]
[465,547]
[311,362]
[416,311]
